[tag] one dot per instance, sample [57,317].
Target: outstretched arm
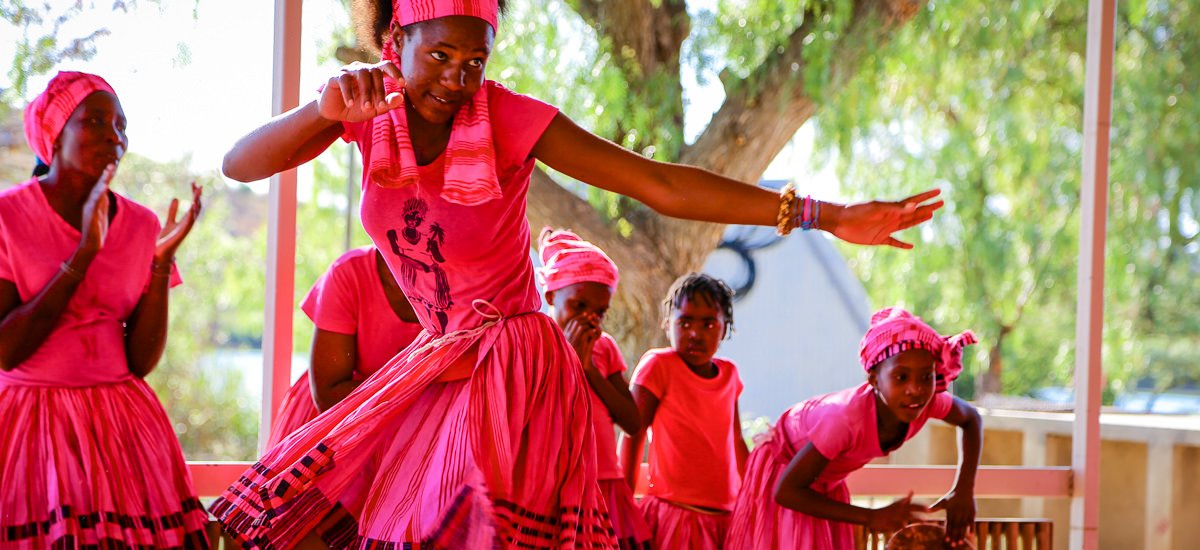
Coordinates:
[631,453]
[794,492]
[299,135]
[959,503]
[692,193]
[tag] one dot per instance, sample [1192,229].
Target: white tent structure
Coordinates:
[798,316]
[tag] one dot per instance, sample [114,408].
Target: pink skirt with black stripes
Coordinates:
[627,520]
[678,527]
[758,522]
[94,466]
[504,458]
[296,409]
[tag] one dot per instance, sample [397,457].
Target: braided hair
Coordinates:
[700,286]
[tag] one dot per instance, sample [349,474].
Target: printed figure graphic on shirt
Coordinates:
[420,255]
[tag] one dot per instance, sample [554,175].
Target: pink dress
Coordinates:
[842,427]
[349,298]
[693,465]
[476,435]
[630,526]
[90,457]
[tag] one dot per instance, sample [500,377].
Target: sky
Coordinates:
[192,83]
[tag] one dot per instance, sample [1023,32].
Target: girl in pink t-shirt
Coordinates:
[362,320]
[479,433]
[579,280]
[794,494]
[688,399]
[90,459]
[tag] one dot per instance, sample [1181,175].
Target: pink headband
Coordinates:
[407,12]
[894,330]
[469,173]
[569,260]
[49,111]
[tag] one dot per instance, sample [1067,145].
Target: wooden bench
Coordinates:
[990,534]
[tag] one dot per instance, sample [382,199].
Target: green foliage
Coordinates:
[218,306]
[984,101]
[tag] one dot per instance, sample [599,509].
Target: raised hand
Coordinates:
[174,231]
[94,228]
[582,331]
[874,222]
[896,515]
[358,93]
[960,517]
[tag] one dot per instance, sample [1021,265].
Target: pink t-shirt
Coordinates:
[446,255]
[349,299]
[606,357]
[842,427]
[692,457]
[87,345]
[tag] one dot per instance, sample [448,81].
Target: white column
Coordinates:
[1033,455]
[1160,493]
[1089,319]
[281,226]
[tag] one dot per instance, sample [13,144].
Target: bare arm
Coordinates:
[299,135]
[614,393]
[959,503]
[146,327]
[331,374]
[692,193]
[740,451]
[794,492]
[583,333]
[631,453]
[24,327]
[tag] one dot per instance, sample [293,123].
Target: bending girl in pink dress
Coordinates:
[479,432]
[794,494]
[688,398]
[580,280]
[362,320]
[90,459]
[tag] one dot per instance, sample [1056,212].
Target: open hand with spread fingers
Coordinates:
[874,222]
[174,231]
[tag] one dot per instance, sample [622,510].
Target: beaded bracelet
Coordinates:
[786,221]
[808,219]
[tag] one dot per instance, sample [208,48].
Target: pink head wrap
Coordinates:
[470,156]
[894,330]
[48,112]
[569,260]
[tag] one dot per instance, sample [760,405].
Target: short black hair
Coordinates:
[705,287]
[373,19]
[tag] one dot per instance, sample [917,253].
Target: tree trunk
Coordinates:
[756,120]
[991,382]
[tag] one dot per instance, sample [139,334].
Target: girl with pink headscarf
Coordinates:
[90,458]
[794,492]
[479,433]
[579,281]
